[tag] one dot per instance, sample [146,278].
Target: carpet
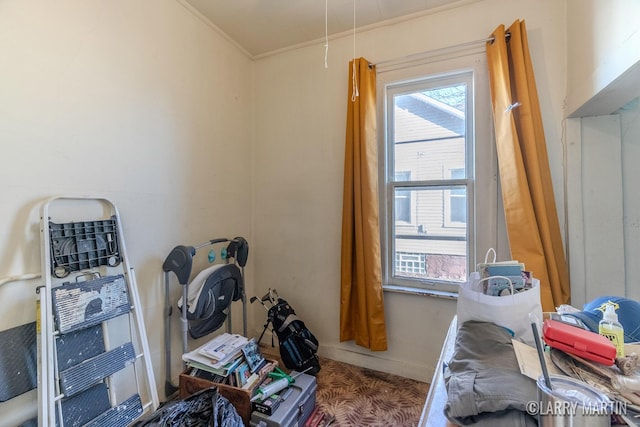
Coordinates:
[362,397]
[358,396]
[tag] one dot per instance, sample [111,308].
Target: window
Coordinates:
[455,203]
[411,263]
[436,173]
[403,199]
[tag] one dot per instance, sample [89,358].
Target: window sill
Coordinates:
[421,292]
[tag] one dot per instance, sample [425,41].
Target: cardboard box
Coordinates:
[240,398]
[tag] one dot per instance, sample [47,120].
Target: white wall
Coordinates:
[603,77]
[138,101]
[595,197]
[630,134]
[603,206]
[603,39]
[300,109]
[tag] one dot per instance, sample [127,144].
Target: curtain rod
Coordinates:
[422,55]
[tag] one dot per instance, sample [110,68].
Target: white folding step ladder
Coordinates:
[94,365]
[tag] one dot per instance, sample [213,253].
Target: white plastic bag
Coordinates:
[515,312]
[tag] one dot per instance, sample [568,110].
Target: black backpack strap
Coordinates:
[290,319]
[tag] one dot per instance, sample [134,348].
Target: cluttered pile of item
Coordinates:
[512,364]
[263,394]
[598,346]
[228,359]
[248,388]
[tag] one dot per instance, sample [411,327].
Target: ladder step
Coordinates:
[18,361]
[80,345]
[84,407]
[121,415]
[82,376]
[83,304]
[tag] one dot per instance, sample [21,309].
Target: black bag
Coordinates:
[298,346]
[206,408]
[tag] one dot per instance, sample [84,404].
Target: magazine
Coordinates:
[223,347]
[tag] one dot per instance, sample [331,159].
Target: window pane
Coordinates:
[458,212]
[402,199]
[403,206]
[436,246]
[429,133]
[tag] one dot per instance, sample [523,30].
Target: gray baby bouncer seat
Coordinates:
[208,295]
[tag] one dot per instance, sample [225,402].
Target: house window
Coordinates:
[403,200]
[411,264]
[431,195]
[455,203]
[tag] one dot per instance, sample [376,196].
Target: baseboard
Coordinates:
[392,366]
[354,356]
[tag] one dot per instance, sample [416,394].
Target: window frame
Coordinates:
[481,183]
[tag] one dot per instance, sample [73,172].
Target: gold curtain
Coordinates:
[361,297]
[527,189]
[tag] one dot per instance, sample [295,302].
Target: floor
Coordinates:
[357,396]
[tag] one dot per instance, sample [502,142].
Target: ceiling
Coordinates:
[262,26]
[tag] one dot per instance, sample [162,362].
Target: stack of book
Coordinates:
[227,359]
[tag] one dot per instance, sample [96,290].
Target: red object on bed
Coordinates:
[586,344]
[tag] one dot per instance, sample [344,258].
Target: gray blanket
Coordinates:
[483,380]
